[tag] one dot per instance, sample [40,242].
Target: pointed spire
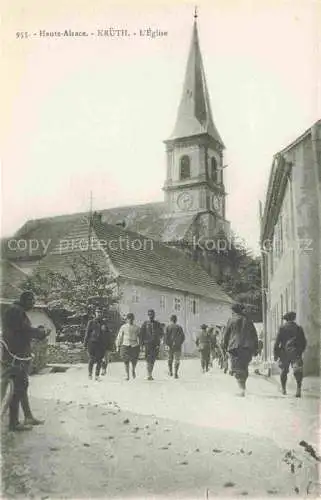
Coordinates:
[194,113]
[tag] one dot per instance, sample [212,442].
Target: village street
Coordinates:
[191,437]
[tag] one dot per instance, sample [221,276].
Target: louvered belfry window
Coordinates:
[214,171]
[185,168]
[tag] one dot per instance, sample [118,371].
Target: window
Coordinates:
[193,306]
[177,304]
[185,168]
[293,301]
[162,302]
[286,300]
[214,171]
[271,260]
[281,235]
[135,296]
[278,242]
[287,226]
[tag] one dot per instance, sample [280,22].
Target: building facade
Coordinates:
[291,246]
[191,310]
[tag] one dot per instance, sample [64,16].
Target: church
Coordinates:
[170,278]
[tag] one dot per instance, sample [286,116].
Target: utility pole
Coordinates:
[90,226]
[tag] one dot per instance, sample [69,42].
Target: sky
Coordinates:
[91,114]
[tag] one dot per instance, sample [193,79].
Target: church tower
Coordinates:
[195,183]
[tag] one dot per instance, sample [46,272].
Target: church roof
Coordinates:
[149,219]
[137,258]
[194,115]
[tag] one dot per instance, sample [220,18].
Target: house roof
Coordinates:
[135,257]
[194,115]
[279,173]
[11,277]
[299,139]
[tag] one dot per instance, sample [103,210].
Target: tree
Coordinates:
[243,279]
[75,292]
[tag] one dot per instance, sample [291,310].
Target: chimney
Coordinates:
[97,217]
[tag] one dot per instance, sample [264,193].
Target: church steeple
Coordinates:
[194,115]
[194,184]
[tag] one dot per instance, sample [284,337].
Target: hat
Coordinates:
[290,316]
[26,296]
[203,327]
[238,308]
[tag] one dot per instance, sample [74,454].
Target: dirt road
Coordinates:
[186,438]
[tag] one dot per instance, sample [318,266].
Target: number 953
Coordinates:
[22,34]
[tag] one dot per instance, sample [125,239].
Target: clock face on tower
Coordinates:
[184,200]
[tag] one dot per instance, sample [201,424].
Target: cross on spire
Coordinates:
[195,12]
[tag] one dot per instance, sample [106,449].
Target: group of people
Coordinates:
[99,342]
[234,346]
[239,342]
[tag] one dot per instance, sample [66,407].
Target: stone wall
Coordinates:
[67,353]
[64,353]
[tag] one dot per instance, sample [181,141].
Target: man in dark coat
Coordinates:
[96,340]
[151,333]
[174,339]
[17,335]
[289,346]
[110,341]
[241,342]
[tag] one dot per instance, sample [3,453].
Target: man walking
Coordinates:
[17,335]
[289,346]
[151,333]
[127,343]
[174,339]
[241,343]
[203,342]
[96,341]
[109,345]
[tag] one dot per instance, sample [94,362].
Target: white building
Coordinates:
[291,244]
